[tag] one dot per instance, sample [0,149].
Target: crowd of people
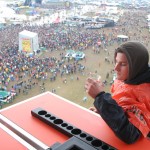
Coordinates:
[22,72]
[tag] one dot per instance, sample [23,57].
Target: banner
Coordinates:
[26,45]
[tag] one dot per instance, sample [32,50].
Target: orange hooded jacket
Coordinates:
[135,101]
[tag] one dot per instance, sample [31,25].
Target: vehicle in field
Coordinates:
[69,53]
[78,55]
[6,96]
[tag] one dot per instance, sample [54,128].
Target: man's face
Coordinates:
[121,66]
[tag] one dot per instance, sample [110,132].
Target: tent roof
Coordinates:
[6,11]
[28,33]
[122,36]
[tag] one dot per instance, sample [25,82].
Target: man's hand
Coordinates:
[93,87]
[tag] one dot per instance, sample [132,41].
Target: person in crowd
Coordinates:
[127,109]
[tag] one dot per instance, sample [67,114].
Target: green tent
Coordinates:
[4,94]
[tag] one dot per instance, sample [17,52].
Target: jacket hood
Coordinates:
[142,78]
[138,58]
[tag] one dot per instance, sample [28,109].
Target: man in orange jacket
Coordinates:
[127,109]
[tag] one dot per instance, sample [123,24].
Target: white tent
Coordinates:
[6,12]
[28,42]
[122,36]
[3,3]
[2,20]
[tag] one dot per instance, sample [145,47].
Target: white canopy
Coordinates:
[6,12]
[2,20]
[122,36]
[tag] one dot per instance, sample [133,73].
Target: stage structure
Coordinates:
[28,42]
